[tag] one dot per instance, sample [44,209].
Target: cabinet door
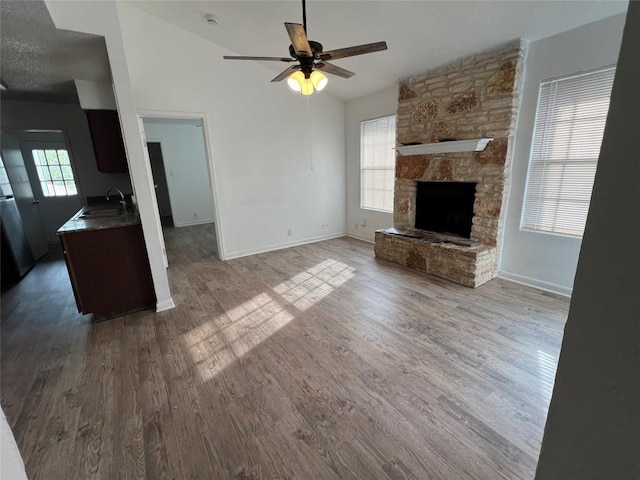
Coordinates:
[72,276]
[109,270]
[107,141]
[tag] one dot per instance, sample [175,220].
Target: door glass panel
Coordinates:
[71,188]
[67,173]
[5,186]
[64,157]
[39,158]
[54,172]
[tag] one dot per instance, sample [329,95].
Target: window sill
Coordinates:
[375,210]
[554,234]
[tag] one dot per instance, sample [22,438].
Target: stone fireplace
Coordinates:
[477,97]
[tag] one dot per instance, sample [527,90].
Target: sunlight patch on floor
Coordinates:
[309,287]
[547,365]
[217,343]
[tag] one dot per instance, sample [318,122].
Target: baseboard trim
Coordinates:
[196,222]
[273,248]
[359,237]
[536,283]
[163,305]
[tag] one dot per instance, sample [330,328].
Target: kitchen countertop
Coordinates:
[77,224]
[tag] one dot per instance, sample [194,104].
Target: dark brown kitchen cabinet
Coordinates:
[108,145]
[109,270]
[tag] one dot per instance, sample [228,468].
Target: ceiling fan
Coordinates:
[306,75]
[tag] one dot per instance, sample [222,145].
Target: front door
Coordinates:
[53,181]
[27,203]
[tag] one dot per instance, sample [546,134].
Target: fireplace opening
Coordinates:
[445,207]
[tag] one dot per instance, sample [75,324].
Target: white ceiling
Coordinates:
[39,61]
[421,35]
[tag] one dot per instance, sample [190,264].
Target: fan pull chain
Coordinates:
[309,131]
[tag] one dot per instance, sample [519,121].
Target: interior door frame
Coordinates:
[150,179]
[213,184]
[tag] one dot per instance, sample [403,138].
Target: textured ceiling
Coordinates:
[39,61]
[421,35]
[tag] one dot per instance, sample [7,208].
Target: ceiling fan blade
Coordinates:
[353,51]
[286,73]
[299,39]
[334,70]
[262,59]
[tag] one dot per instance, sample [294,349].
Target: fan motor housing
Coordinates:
[316,48]
[307,63]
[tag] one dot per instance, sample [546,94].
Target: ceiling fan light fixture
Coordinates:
[300,84]
[306,77]
[319,80]
[295,81]
[306,86]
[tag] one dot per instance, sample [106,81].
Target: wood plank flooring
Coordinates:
[315,362]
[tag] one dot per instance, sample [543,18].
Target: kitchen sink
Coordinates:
[101,213]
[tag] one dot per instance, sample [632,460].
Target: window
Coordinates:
[569,127]
[54,172]
[5,185]
[377,163]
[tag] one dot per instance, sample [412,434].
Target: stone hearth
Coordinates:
[467,265]
[474,98]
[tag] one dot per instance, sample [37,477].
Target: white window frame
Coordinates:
[551,135]
[388,168]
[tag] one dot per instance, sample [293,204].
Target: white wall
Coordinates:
[72,121]
[95,95]
[376,105]
[268,176]
[544,260]
[11,464]
[593,427]
[185,164]
[101,18]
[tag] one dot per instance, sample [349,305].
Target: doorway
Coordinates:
[182,178]
[160,183]
[52,177]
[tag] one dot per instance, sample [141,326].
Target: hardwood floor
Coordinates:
[315,362]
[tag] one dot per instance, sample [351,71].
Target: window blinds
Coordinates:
[569,126]
[377,163]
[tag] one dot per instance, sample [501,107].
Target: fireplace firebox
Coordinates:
[445,207]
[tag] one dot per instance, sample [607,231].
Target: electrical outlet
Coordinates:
[324,225]
[289,232]
[195,215]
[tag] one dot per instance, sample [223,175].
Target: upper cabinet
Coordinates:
[107,141]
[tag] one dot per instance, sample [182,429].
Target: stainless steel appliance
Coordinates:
[17,258]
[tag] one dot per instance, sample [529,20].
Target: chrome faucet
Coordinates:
[122,200]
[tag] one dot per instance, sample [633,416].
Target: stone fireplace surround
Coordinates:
[474,98]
